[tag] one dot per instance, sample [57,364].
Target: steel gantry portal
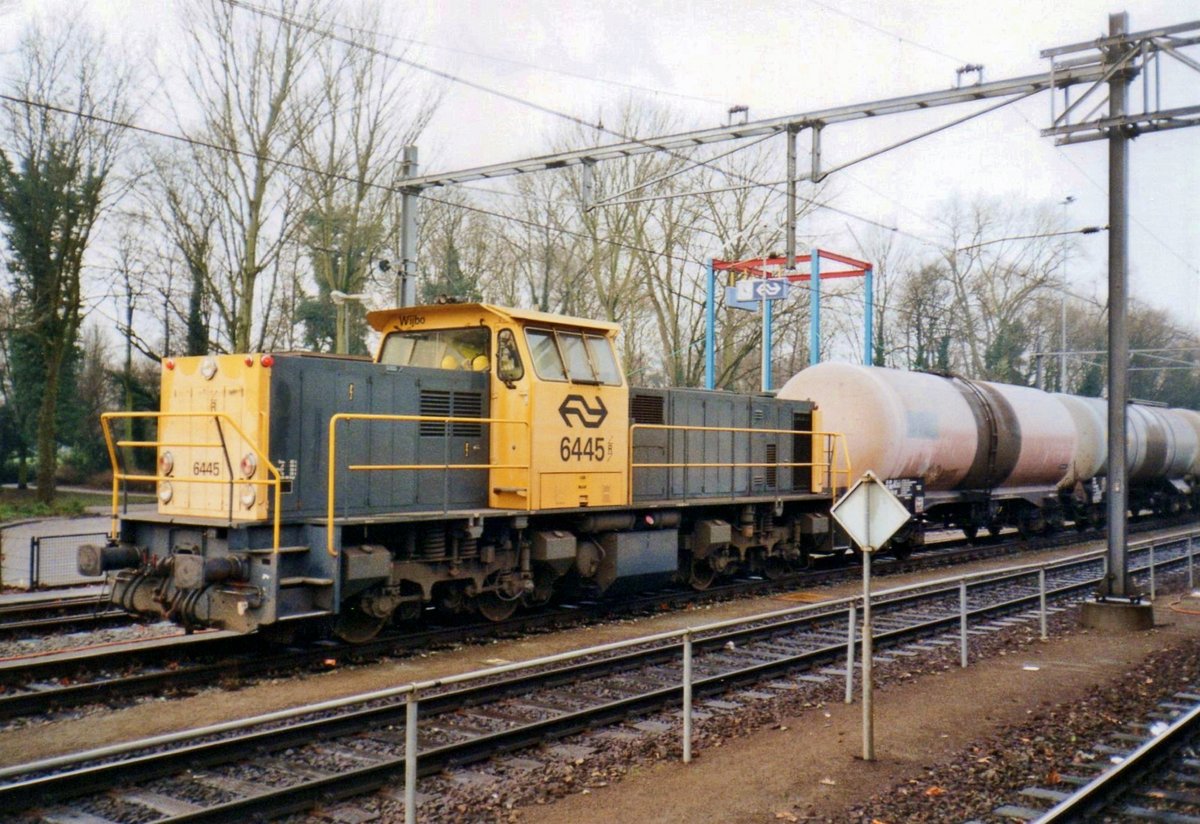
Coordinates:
[1004,91]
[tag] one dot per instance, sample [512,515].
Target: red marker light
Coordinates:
[170,364]
[268,361]
[249,360]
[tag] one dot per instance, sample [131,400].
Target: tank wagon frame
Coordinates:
[486,458]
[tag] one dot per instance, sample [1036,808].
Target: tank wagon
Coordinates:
[484,459]
[974,455]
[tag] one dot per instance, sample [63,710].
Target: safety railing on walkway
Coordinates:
[834,469]
[446,467]
[220,420]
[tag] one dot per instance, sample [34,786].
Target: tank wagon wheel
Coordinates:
[971,531]
[901,549]
[355,626]
[775,568]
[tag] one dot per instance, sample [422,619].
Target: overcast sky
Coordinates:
[782,57]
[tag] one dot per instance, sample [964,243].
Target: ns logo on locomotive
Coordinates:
[484,459]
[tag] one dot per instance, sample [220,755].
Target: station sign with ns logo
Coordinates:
[756,289]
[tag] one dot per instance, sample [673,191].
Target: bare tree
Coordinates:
[370,109]
[998,260]
[56,182]
[235,203]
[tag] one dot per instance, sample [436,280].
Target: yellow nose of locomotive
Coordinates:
[212,432]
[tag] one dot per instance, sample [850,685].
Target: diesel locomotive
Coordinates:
[485,458]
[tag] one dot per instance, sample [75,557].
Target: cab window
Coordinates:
[578,365]
[438,349]
[602,359]
[561,354]
[508,360]
[546,361]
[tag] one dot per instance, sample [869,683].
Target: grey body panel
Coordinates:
[306,393]
[721,479]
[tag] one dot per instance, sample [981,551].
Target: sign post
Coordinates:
[870,514]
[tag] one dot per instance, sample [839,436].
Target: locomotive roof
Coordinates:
[386,320]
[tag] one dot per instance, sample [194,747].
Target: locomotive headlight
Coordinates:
[166,463]
[249,465]
[208,368]
[165,492]
[249,496]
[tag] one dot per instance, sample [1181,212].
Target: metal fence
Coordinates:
[52,559]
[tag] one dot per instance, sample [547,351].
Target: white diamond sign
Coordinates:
[870,513]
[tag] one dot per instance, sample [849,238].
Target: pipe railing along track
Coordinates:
[724,651]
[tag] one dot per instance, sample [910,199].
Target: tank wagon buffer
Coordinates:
[486,458]
[975,455]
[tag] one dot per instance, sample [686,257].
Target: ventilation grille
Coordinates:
[772,471]
[646,409]
[441,403]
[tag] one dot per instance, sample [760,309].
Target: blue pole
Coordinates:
[768,319]
[710,323]
[814,316]
[868,317]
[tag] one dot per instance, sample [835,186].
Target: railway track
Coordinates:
[58,611]
[1145,771]
[343,748]
[48,682]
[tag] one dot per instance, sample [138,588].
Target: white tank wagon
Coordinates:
[974,454]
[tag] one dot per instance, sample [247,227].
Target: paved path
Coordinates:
[57,549]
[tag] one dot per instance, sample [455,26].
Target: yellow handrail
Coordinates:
[275,479]
[331,481]
[833,440]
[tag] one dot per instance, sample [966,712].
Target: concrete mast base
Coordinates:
[1116,615]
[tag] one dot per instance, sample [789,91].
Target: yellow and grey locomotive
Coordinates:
[484,459]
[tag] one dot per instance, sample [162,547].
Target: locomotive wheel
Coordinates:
[775,568]
[355,626]
[494,608]
[408,611]
[701,575]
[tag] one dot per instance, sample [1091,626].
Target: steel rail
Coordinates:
[60,684]
[1091,801]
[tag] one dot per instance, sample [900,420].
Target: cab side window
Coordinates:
[602,358]
[578,366]
[560,354]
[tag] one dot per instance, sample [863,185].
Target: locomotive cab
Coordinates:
[558,412]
